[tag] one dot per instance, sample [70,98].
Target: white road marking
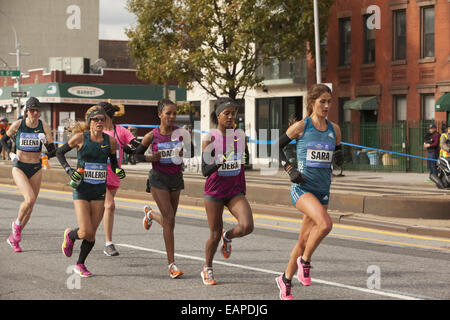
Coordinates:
[329,283]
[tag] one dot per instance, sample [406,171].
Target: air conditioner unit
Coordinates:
[71,65]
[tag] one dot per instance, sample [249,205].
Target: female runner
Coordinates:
[30,134]
[93,150]
[222,163]
[318,144]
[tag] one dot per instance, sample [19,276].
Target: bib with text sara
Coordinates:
[319,154]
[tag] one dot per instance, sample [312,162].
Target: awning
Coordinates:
[91,93]
[362,103]
[443,103]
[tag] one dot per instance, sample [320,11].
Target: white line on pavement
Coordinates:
[329,283]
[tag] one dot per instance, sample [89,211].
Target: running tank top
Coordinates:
[93,157]
[229,179]
[314,154]
[170,149]
[29,139]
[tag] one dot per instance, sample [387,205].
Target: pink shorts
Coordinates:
[112,180]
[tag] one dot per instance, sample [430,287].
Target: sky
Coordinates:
[114,18]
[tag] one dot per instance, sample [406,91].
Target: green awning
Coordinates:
[362,103]
[443,103]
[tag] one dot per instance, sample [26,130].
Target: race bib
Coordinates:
[319,154]
[29,142]
[169,150]
[94,173]
[231,166]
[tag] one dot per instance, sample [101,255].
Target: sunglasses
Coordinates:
[98,119]
[34,110]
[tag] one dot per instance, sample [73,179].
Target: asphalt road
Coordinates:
[351,263]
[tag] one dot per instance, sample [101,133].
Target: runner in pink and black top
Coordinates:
[124,138]
[168,144]
[223,164]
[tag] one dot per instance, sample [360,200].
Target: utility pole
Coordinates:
[317,41]
[18,54]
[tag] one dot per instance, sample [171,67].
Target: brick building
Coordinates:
[394,73]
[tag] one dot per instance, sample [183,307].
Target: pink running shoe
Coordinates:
[13,244]
[285,288]
[82,271]
[67,246]
[304,274]
[16,232]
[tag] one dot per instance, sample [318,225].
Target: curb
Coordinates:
[275,210]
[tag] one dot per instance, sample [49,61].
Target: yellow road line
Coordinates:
[262,217]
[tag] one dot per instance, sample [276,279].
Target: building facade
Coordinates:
[48,28]
[393,72]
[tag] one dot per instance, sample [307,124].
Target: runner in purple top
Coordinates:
[165,178]
[222,163]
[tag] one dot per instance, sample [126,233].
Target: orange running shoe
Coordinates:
[226,246]
[147,221]
[208,276]
[174,272]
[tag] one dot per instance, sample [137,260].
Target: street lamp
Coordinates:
[17,54]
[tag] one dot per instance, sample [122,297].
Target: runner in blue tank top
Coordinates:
[318,145]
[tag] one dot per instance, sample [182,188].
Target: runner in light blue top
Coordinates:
[318,145]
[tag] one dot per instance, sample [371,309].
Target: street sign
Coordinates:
[9,73]
[18,94]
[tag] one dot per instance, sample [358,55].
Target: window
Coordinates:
[427,32]
[399,35]
[344,114]
[344,41]
[369,42]
[428,105]
[400,108]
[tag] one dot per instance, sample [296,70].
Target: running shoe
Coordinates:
[208,276]
[13,244]
[111,251]
[16,232]
[304,272]
[226,246]
[285,288]
[67,246]
[147,221]
[174,272]
[82,271]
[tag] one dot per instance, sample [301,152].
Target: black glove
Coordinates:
[74,175]
[338,156]
[296,176]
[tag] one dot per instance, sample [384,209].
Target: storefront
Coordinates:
[68,98]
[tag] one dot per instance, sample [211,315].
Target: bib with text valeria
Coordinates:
[94,173]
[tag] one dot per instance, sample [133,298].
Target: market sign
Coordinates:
[85,91]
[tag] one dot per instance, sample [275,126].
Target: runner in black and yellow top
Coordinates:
[31,133]
[94,148]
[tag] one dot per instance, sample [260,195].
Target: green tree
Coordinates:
[219,44]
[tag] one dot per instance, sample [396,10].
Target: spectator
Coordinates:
[432,146]
[444,143]
[4,126]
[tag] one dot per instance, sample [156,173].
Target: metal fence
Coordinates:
[399,137]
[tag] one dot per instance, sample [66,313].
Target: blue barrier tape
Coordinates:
[292,142]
